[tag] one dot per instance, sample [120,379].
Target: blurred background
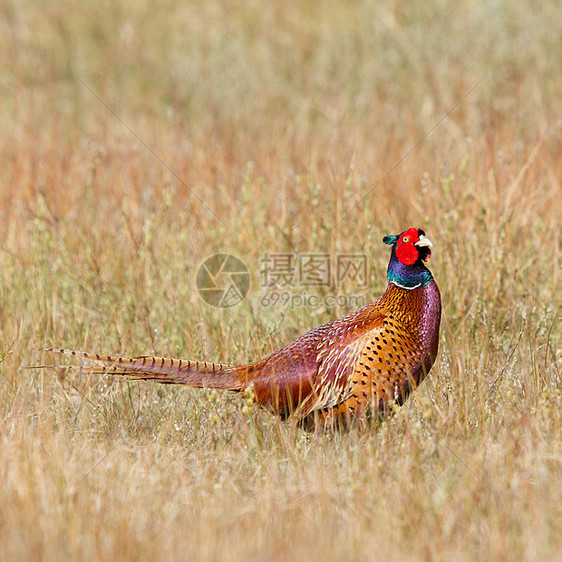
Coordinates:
[139,138]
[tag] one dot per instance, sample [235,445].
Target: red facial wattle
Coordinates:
[406,251]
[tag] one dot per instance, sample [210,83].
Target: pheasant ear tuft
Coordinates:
[391,239]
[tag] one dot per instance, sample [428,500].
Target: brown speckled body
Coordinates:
[372,356]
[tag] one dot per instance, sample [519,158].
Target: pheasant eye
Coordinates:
[405,239]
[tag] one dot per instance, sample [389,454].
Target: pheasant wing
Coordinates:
[338,356]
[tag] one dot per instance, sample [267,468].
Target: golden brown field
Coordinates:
[139,138]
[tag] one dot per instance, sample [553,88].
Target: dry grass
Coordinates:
[282,118]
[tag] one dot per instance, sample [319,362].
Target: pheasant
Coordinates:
[357,365]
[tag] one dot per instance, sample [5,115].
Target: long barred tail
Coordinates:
[199,374]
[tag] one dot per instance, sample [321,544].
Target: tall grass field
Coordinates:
[140,138]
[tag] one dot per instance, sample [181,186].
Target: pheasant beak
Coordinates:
[424,242]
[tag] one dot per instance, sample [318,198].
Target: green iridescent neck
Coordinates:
[408,276]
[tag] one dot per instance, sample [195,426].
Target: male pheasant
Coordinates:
[337,372]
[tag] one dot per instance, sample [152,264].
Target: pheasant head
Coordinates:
[410,250]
